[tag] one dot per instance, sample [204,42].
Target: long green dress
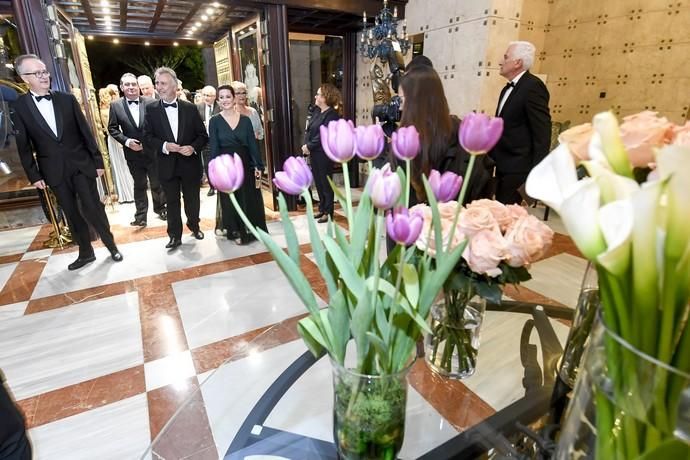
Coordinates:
[241,140]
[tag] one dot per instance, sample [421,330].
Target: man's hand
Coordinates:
[135,145]
[172,147]
[186,150]
[305,150]
[100,172]
[40,184]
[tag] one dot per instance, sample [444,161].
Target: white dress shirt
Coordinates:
[134,110]
[509,90]
[172,114]
[47,111]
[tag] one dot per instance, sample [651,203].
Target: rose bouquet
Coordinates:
[636,234]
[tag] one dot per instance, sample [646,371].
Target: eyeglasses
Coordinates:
[129,84]
[38,73]
[240,93]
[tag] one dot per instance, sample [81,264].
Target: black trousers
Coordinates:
[78,190]
[143,173]
[14,444]
[507,186]
[189,187]
[322,169]
[206,157]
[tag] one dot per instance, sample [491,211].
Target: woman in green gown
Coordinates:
[230,132]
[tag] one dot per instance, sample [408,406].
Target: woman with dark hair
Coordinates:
[230,132]
[424,105]
[327,100]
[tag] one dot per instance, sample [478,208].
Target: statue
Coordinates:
[379,85]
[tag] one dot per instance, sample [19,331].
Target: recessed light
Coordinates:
[147,43]
[216,4]
[106,18]
[175,44]
[198,24]
[116,41]
[209,11]
[104,3]
[106,10]
[90,37]
[199,42]
[204,17]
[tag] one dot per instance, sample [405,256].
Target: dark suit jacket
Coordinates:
[202,109]
[74,143]
[526,127]
[312,137]
[190,131]
[122,127]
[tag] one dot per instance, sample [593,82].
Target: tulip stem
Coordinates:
[463,190]
[375,257]
[348,197]
[407,183]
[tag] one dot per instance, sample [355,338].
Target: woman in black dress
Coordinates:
[328,100]
[229,132]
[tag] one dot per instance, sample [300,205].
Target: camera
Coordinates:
[389,112]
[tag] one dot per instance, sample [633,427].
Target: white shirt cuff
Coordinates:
[165,150]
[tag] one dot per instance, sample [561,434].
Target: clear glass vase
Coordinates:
[578,337]
[452,347]
[368,413]
[626,405]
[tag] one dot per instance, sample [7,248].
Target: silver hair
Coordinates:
[167,70]
[238,85]
[125,75]
[144,78]
[208,88]
[19,62]
[525,52]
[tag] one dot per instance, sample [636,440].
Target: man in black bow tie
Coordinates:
[52,125]
[524,107]
[175,131]
[126,125]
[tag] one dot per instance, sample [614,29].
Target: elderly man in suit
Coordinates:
[174,130]
[207,108]
[52,125]
[146,87]
[524,108]
[126,125]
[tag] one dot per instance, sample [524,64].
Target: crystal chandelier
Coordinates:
[382,39]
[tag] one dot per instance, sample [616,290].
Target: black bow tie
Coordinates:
[47,97]
[172,104]
[133,102]
[510,84]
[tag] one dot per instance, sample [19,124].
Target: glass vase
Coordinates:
[578,337]
[452,347]
[368,413]
[626,405]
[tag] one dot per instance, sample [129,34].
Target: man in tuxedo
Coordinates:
[51,124]
[524,108]
[207,108]
[174,130]
[126,125]
[146,87]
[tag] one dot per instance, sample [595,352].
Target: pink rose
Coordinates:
[427,239]
[681,135]
[477,218]
[577,138]
[527,241]
[643,132]
[447,210]
[485,251]
[498,210]
[516,212]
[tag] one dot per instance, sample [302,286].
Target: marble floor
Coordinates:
[100,359]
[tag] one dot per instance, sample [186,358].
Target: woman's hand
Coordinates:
[257,173]
[305,150]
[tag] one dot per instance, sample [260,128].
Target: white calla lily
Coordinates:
[553,179]
[580,214]
[613,187]
[646,270]
[616,220]
[606,126]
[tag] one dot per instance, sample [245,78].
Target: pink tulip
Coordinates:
[369,141]
[384,187]
[338,140]
[405,143]
[226,172]
[295,177]
[404,227]
[445,186]
[479,133]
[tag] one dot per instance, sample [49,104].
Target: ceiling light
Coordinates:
[204,17]
[116,41]
[198,24]
[147,43]
[216,4]
[209,11]
[90,37]
[107,18]
[104,3]
[175,44]
[106,10]
[199,42]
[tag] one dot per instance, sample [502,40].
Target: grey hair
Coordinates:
[167,70]
[208,88]
[144,78]
[238,85]
[128,74]
[525,52]
[19,62]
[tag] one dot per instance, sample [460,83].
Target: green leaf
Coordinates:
[309,331]
[382,319]
[668,449]
[339,319]
[360,325]
[290,235]
[402,346]
[341,238]
[381,348]
[345,269]
[389,290]
[433,281]
[293,273]
[491,292]
[411,283]
[338,193]
[320,256]
[361,229]
[400,171]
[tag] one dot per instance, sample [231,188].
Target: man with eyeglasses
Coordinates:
[207,108]
[52,125]
[126,125]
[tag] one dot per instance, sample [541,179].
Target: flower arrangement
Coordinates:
[636,234]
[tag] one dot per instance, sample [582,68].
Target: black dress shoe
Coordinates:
[138,223]
[211,192]
[80,262]
[323,219]
[198,234]
[115,255]
[319,215]
[173,243]
[163,215]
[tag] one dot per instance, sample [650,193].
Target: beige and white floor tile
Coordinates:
[170,370]
[18,240]
[558,277]
[40,254]
[6,271]
[13,310]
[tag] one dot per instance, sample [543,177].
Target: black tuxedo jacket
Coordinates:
[526,127]
[190,131]
[202,110]
[122,127]
[73,144]
[312,136]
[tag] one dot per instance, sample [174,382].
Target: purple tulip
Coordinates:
[295,177]
[403,227]
[384,187]
[226,172]
[479,133]
[338,140]
[369,141]
[405,142]
[445,186]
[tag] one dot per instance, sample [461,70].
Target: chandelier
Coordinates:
[382,38]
